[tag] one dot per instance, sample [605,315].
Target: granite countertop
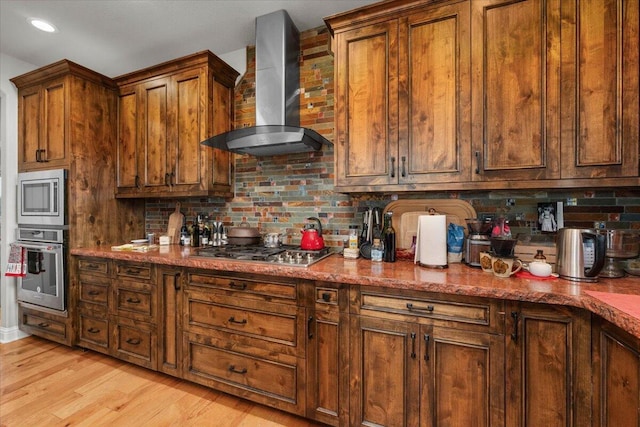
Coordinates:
[615,300]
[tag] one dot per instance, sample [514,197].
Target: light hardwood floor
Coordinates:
[46,384]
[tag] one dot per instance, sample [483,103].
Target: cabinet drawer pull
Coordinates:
[238,287]
[413,345]
[516,317]
[94,293]
[133,271]
[37,155]
[309,326]
[167,180]
[326,297]
[393,167]
[427,338]
[92,267]
[237,322]
[411,307]
[232,368]
[93,330]
[477,154]
[134,341]
[44,324]
[137,181]
[404,170]
[133,301]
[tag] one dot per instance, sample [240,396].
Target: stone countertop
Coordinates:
[615,300]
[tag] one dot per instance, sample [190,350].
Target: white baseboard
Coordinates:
[11,334]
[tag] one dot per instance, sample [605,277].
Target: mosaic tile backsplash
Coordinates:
[277,194]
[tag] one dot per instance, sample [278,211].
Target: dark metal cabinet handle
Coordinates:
[411,307]
[137,182]
[516,318]
[176,283]
[167,180]
[92,267]
[133,301]
[237,322]
[477,154]
[309,326]
[133,271]
[93,330]
[43,324]
[413,345]
[94,293]
[326,297]
[238,287]
[393,167]
[404,170]
[38,156]
[427,338]
[232,368]
[134,341]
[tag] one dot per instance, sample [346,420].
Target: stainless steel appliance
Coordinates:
[41,198]
[580,254]
[286,254]
[44,282]
[477,240]
[621,244]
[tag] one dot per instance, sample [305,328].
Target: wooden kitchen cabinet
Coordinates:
[246,335]
[328,354]
[482,94]
[54,104]
[402,98]
[616,373]
[165,112]
[94,298]
[548,366]
[419,360]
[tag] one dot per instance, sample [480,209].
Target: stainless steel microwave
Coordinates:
[42,198]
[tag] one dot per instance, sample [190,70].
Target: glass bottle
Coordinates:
[540,256]
[377,250]
[195,234]
[389,238]
[185,238]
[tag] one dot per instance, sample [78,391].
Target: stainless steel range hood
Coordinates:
[277,129]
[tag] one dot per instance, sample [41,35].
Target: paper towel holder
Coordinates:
[419,258]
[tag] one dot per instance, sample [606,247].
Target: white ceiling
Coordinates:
[115,37]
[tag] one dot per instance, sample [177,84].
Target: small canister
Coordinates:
[150,238]
[353,237]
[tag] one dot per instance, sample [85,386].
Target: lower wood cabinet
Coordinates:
[170,283]
[548,366]
[616,376]
[45,323]
[423,360]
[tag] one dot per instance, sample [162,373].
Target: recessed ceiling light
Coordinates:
[43,25]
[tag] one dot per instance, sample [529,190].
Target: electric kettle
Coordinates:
[580,254]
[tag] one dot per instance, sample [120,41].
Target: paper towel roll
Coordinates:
[431,241]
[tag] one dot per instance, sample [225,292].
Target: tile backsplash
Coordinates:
[277,194]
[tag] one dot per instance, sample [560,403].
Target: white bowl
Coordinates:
[540,269]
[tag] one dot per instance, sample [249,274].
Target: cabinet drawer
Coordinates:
[93,265]
[135,300]
[134,342]
[279,327]
[253,374]
[49,326]
[136,270]
[247,287]
[473,313]
[94,289]
[93,332]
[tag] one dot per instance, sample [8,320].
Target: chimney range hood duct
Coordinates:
[277,129]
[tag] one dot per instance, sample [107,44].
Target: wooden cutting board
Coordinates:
[175,223]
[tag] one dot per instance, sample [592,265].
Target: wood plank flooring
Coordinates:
[46,384]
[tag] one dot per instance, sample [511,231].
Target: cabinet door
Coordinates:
[616,371]
[42,133]
[366,67]
[434,67]
[462,382]
[154,135]
[548,381]
[384,373]
[128,175]
[187,114]
[169,325]
[515,89]
[601,113]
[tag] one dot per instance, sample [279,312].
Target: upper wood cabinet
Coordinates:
[164,113]
[486,94]
[54,104]
[402,89]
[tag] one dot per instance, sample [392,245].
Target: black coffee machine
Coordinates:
[478,240]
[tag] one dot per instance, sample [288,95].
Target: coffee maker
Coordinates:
[478,240]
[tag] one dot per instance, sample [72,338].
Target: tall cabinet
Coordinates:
[164,113]
[66,116]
